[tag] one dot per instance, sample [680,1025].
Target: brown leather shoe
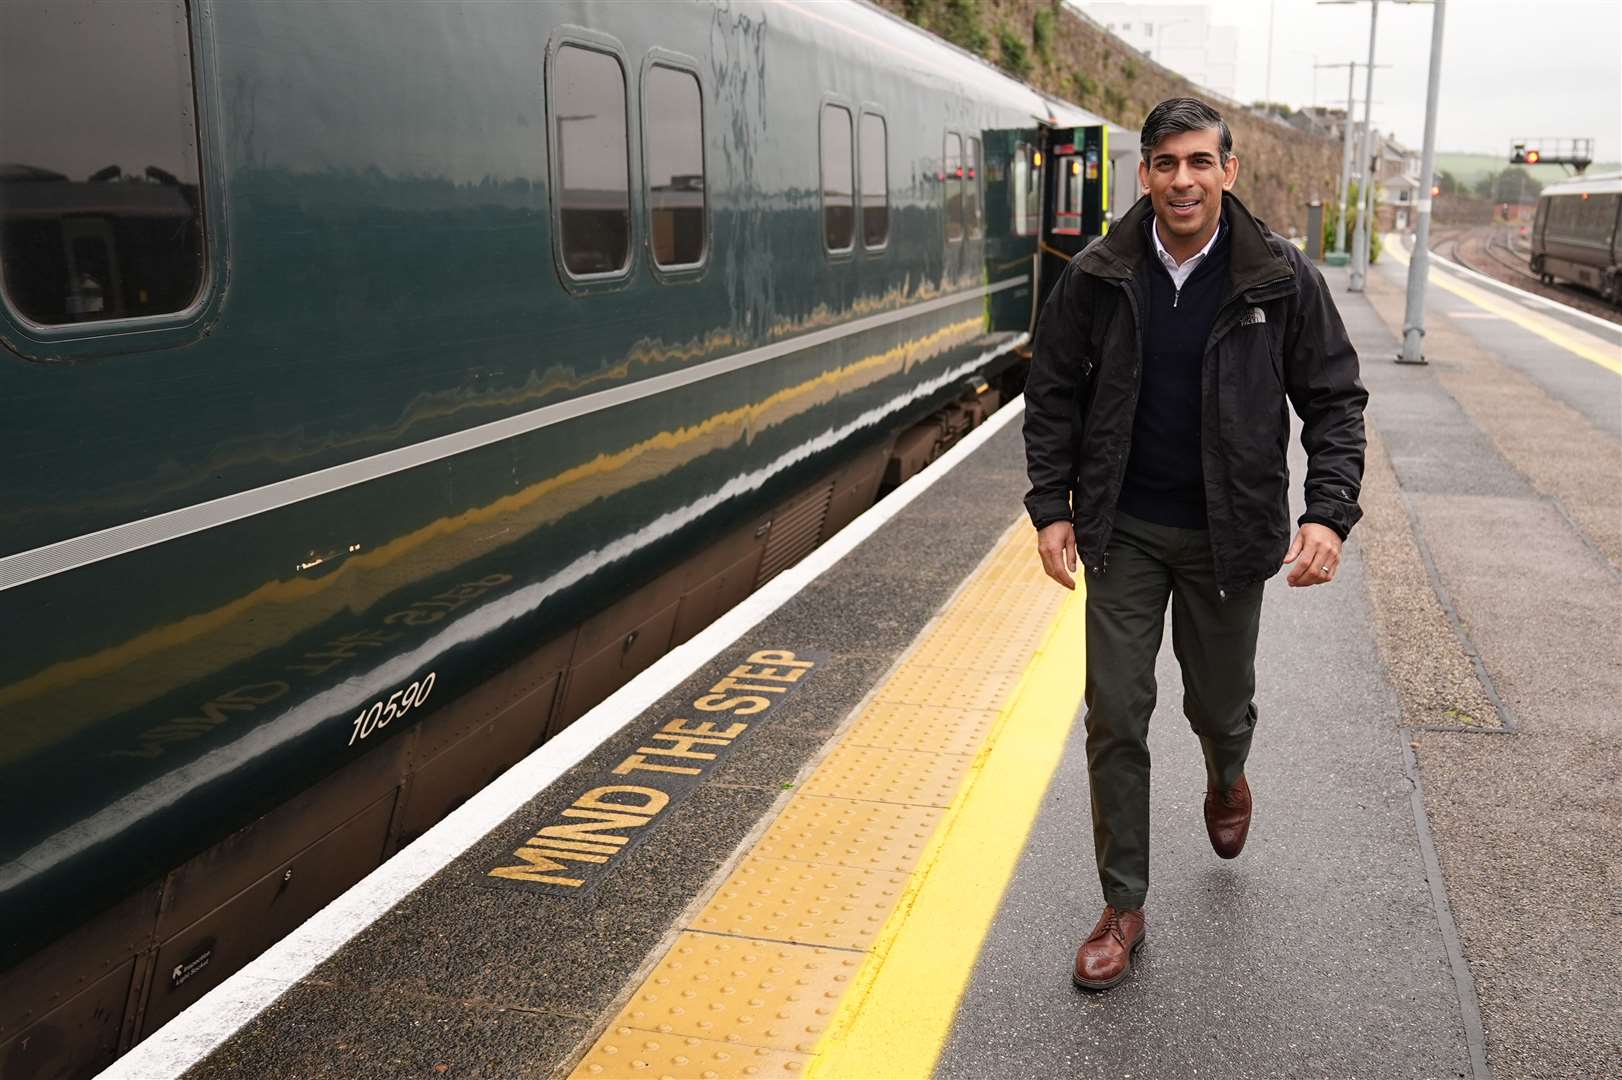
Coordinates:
[1227,819]
[1105,958]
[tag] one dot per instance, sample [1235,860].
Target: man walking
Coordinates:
[1156,429]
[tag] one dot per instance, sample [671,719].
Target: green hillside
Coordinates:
[1468,168]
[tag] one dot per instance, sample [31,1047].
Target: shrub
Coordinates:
[1332,215]
[959,23]
[1042,30]
[1012,54]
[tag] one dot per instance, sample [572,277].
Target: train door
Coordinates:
[1075,197]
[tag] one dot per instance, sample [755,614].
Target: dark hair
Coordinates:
[1179,114]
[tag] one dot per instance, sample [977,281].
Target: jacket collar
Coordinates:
[1126,249]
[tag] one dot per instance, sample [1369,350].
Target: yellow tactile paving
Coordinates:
[627,1052]
[756,976]
[848,832]
[939,728]
[751,993]
[805,903]
[963,688]
[879,774]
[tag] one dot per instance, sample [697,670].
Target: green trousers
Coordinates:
[1214,638]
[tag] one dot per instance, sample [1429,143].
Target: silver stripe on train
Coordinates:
[64,555]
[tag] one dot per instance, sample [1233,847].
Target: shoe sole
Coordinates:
[1131,957]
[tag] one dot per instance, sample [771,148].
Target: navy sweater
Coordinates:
[1165,482]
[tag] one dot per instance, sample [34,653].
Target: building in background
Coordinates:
[1177,36]
[1397,171]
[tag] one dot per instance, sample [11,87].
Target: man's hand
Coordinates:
[1056,543]
[1318,549]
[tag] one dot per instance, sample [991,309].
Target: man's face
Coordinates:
[1185,178]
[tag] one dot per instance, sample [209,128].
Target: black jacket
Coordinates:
[1277,339]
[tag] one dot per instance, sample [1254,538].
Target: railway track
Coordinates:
[1482,248]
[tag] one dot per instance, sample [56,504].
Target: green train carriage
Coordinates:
[380,393]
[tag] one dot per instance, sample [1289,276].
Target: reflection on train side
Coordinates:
[133,811]
[81,690]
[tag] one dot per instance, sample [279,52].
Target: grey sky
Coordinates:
[1509,69]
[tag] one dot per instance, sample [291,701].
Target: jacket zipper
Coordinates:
[1255,295]
[1137,387]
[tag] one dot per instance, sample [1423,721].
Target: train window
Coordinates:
[838,206]
[673,120]
[971,189]
[593,160]
[100,198]
[875,181]
[1033,195]
[954,186]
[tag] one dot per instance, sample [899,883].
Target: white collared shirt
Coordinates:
[1179,274]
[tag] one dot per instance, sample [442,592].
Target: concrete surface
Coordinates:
[1316,953]
[1529,826]
[1484,590]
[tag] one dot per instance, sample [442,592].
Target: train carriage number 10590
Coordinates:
[377,715]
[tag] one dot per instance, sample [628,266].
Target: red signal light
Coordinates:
[1533,157]
[1436,189]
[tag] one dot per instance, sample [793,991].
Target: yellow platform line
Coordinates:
[841,940]
[1573,341]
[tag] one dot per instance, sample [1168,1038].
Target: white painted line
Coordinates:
[193,1035]
[1522,294]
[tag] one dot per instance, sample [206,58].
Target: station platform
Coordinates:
[846,831]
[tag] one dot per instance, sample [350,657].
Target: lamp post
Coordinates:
[1413,322]
[1351,67]
[1362,235]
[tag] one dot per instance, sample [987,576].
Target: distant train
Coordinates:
[380,393]
[1577,234]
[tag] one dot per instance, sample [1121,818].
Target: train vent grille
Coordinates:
[795,533]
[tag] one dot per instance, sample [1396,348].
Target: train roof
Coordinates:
[933,59]
[1603,184]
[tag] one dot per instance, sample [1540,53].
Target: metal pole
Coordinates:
[1413,322]
[1268,95]
[1345,161]
[1360,237]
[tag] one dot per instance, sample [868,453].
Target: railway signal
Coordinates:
[1575,154]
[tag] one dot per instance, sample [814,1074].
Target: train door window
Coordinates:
[101,212]
[1019,175]
[1067,215]
[972,182]
[838,180]
[592,156]
[953,183]
[875,181]
[673,125]
[1034,193]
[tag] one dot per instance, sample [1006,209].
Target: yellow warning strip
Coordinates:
[1587,346]
[896,1021]
[842,939]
